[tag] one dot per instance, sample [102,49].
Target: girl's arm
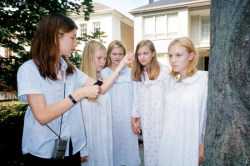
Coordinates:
[45,113]
[107,83]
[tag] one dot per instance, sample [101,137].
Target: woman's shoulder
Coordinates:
[28,66]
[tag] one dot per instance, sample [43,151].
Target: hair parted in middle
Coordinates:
[45,46]
[137,69]
[189,45]
[88,58]
[111,46]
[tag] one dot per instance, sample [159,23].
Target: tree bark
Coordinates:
[227,131]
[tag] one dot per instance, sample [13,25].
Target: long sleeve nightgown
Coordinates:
[184,121]
[148,104]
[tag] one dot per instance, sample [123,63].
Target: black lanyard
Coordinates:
[61,119]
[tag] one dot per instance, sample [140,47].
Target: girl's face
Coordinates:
[145,55]
[68,43]
[179,59]
[116,55]
[100,59]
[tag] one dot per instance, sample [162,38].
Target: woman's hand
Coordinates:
[136,125]
[201,152]
[84,159]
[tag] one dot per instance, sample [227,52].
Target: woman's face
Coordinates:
[145,55]
[68,43]
[179,59]
[116,55]
[100,59]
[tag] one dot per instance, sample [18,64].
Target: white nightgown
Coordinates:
[184,121]
[148,104]
[98,126]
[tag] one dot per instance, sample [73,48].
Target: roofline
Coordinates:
[113,11]
[172,6]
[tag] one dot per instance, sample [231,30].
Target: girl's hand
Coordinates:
[128,58]
[201,152]
[84,159]
[91,91]
[136,125]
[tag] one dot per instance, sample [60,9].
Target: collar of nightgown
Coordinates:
[188,80]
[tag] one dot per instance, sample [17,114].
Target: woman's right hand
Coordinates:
[136,125]
[92,91]
[128,58]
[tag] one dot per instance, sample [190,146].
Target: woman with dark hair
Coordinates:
[53,86]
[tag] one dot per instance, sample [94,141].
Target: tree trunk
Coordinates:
[227,132]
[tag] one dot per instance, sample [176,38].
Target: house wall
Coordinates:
[189,21]
[127,35]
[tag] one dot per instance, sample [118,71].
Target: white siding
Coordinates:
[138,28]
[195,30]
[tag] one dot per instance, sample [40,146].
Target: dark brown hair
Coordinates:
[45,47]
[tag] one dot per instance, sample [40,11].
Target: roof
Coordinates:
[163,4]
[99,6]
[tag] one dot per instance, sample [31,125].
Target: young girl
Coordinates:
[52,86]
[182,140]
[97,113]
[125,142]
[151,81]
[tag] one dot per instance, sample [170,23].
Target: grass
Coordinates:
[11,128]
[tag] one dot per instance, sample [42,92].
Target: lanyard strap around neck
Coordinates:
[61,119]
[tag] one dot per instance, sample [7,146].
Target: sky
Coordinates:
[123,6]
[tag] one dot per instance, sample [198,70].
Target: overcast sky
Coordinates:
[123,6]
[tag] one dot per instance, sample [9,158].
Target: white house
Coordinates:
[164,20]
[115,25]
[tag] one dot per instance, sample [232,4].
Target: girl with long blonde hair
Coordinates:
[125,142]
[151,82]
[97,113]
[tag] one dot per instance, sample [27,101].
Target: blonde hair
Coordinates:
[88,60]
[189,45]
[112,45]
[138,69]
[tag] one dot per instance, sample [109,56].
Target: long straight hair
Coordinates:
[45,46]
[138,68]
[111,46]
[88,60]
[189,45]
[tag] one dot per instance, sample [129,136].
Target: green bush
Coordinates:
[11,128]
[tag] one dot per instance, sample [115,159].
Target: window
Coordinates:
[200,30]
[161,26]
[205,29]
[163,59]
[83,29]
[96,27]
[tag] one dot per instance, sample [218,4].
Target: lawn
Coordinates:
[11,128]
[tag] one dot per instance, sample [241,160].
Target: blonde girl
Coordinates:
[151,81]
[97,113]
[125,142]
[182,141]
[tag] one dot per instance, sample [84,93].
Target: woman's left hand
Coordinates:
[201,152]
[84,159]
